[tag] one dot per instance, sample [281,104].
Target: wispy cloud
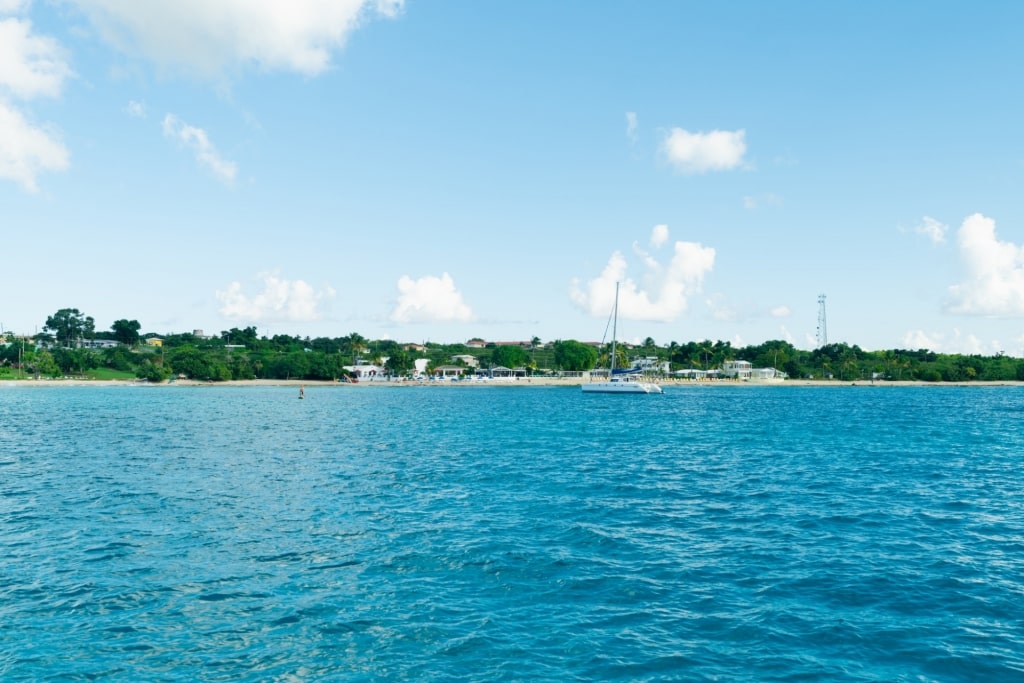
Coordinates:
[719,150]
[761,201]
[780,312]
[31,66]
[932,229]
[995,272]
[136,110]
[631,126]
[197,140]
[664,289]
[430,299]
[279,300]
[211,38]
[13,6]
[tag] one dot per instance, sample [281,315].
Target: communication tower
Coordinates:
[822,329]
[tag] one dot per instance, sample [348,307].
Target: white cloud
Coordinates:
[719,150]
[13,6]
[631,125]
[919,339]
[664,294]
[280,301]
[31,65]
[956,342]
[780,312]
[932,229]
[197,140]
[136,109]
[207,38]
[26,150]
[430,299]
[659,235]
[995,272]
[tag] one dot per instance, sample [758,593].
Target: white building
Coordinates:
[737,369]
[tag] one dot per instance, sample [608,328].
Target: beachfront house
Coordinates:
[501,372]
[466,359]
[744,370]
[448,371]
[365,371]
[736,369]
[695,375]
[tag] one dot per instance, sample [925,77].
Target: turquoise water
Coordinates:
[519,534]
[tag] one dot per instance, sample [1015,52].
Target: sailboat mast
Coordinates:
[615,325]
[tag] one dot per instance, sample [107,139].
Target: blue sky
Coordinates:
[435,171]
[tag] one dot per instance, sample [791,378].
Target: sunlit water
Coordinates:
[521,534]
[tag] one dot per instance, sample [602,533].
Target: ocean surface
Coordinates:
[511,534]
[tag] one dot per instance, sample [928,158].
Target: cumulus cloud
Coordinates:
[659,235]
[631,125]
[31,66]
[780,312]
[995,272]
[955,342]
[197,140]
[279,301]
[207,38]
[26,150]
[719,150]
[663,293]
[430,299]
[919,339]
[932,229]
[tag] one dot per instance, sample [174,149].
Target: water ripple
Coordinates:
[784,534]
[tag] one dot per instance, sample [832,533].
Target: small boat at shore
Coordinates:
[620,381]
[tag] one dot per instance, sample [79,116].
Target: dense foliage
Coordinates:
[239,354]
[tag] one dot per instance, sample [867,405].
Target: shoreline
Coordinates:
[523,382]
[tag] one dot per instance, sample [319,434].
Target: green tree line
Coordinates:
[240,354]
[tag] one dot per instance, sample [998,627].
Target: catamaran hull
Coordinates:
[621,388]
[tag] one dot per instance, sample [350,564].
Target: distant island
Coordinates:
[70,346]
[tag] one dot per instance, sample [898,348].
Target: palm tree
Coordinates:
[355,344]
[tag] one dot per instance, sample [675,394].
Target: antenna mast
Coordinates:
[822,329]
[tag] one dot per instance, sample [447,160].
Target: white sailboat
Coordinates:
[624,383]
